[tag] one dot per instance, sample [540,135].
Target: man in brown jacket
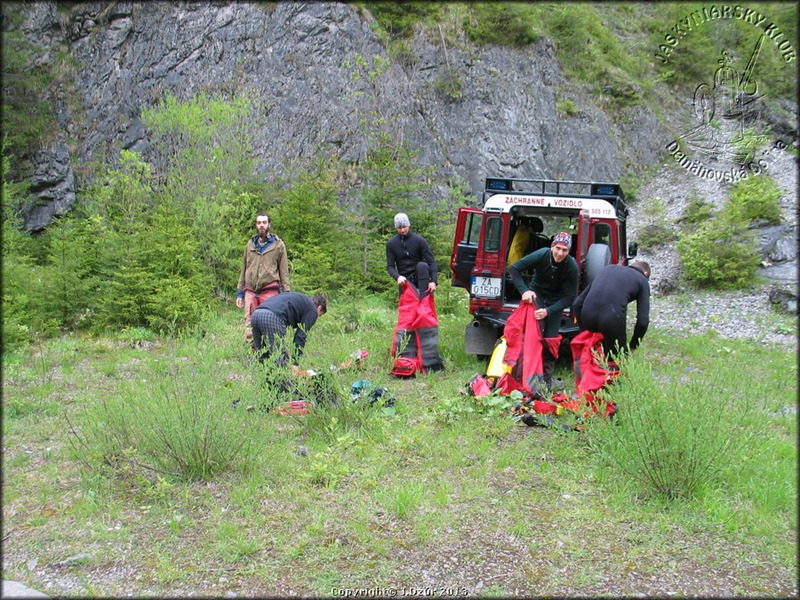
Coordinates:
[265,271]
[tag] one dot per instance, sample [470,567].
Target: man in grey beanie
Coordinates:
[409,258]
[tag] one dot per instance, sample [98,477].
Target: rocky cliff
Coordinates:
[126,55]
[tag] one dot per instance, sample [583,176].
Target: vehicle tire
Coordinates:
[598,256]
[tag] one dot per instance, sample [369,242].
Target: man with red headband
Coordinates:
[552,288]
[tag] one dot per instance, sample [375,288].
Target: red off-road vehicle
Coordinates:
[520,216]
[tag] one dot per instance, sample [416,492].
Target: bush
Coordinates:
[654,235]
[177,421]
[399,18]
[720,254]
[671,435]
[501,23]
[697,211]
[754,199]
[567,106]
[449,86]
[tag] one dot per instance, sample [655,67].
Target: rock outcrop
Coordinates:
[501,120]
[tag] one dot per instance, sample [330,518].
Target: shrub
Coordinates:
[754,199]
[697,211]
[672,435]
[449,86]
[654,235]
[177,421]
[399,18]
[719,254]
[567,106]
[501,23]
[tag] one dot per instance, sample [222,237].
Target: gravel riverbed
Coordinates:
[743,314]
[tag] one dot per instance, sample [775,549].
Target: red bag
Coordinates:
[480,387]
[404,367]
[295,407]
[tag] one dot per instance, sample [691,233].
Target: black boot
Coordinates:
[548,368]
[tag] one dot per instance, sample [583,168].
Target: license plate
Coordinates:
[487,287]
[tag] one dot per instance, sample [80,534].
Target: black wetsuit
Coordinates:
[602,306]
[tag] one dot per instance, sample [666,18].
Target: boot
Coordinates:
[548,368]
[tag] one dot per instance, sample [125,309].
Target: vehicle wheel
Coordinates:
[598,256]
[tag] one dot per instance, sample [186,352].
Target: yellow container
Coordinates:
[496,367]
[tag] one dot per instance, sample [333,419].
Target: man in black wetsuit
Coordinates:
[409,258]
[602,306]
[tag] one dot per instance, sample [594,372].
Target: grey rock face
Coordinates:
[294,57]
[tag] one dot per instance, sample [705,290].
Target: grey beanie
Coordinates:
[401,220]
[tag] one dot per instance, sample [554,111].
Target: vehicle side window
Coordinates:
[602,234]
[494,234]
[472,231]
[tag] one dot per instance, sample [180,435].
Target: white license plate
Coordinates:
[487,287]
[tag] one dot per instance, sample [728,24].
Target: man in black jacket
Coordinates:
[552,288]
[602,306]
[408,257]
[275,314]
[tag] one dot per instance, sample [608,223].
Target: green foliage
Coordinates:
[567,106]
[453,408]
[26,115]
[374,481]
[177,422]
[308,219]
[69,281]
[754,199]
[589,49]
[501,23]
[449,85]
[722,252]
[719,254]
[398,18]
[390,179]
[180,293]
[18,305]
[656,234]
[204,155]
[697,211]
[695,58]
[672,437]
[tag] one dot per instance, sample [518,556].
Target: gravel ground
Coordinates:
[744,314]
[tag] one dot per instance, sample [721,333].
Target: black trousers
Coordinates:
[420,277]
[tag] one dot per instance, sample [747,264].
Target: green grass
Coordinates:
[352,497]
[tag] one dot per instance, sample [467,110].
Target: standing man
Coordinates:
[276,314]
[265,271]
[409,258]
[552,289]
[602,307]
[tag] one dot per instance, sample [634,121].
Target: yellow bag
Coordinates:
[519,244]
[496,367]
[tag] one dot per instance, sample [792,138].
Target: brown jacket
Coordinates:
[260,269]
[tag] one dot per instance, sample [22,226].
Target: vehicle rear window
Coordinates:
[494,235]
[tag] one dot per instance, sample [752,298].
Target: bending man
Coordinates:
[273,316]
[602,307]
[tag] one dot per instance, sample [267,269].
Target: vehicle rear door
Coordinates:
[465,246]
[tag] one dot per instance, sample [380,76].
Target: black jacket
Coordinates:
[403,254]
[296,310]
[557,282]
